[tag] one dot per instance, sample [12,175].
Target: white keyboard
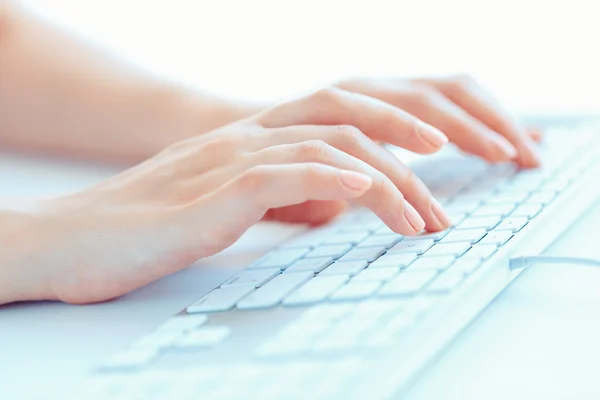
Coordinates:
[354,310]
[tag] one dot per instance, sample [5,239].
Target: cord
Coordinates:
[524,262]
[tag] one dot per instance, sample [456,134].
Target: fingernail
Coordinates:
[355,180]
[413,217]
[532,157]
[507,149]
[431,134]
[439,213]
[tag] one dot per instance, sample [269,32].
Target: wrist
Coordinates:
[24,238]
[172,114]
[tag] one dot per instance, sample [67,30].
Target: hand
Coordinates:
[200,195]
[460,108]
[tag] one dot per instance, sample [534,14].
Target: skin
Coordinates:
[209,168]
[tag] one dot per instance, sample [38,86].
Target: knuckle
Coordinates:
[213,145]
[459,84]
[182,145]
[312,172]
[328,95]
[313,150]
[253,180]
[390,118]
[464,80]
[221,144]
[348,135]
[381,183]
[423,96]
[408,176]
[387,192]
[414,184]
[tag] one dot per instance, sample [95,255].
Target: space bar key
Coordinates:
[272,293]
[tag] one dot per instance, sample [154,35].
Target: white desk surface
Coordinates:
[528,344]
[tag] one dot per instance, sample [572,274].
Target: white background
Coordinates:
[536,55]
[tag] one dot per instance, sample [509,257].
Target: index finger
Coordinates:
[377,119]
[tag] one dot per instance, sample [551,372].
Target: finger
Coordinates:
[383,197]
[351,141]
[312,212]
[535,134]
[379,120]
[246,199]
[467,132]
[474,100]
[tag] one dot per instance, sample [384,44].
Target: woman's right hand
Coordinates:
[200,195]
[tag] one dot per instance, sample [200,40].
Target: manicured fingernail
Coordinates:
[439,213]
[431,134]
[530,157]
[355,180]
[413,217]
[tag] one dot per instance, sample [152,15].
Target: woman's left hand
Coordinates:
[459,107]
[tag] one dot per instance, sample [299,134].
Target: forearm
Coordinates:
[58,95]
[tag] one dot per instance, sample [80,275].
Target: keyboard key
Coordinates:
[385,241]
[394,260]
[205,337]
[133,358]
[527,210]
[432,263]
[221,299]
[330,313]
[446,282]
[557,185]
[307,239]
[378,308]
[448,249]
[182,324]
[464,235]
[412,246]
[507,198]
[254,278]
[492,210]
[355,291]
[361,226]
[543,198]
[346,238]
[466,265]
[482,251]
[457,218]
[376,274]
[407,283]
[314,265]
[435,236]
[477,194]
[391,333]
[384,230]
[280,259]
[368,254]
[333,251]
[275,290]
[316,290]
[497,238]
[342,337]
[513,224]
[463,207]
[280,346]
[487,223]
[344,268]
[158,340]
